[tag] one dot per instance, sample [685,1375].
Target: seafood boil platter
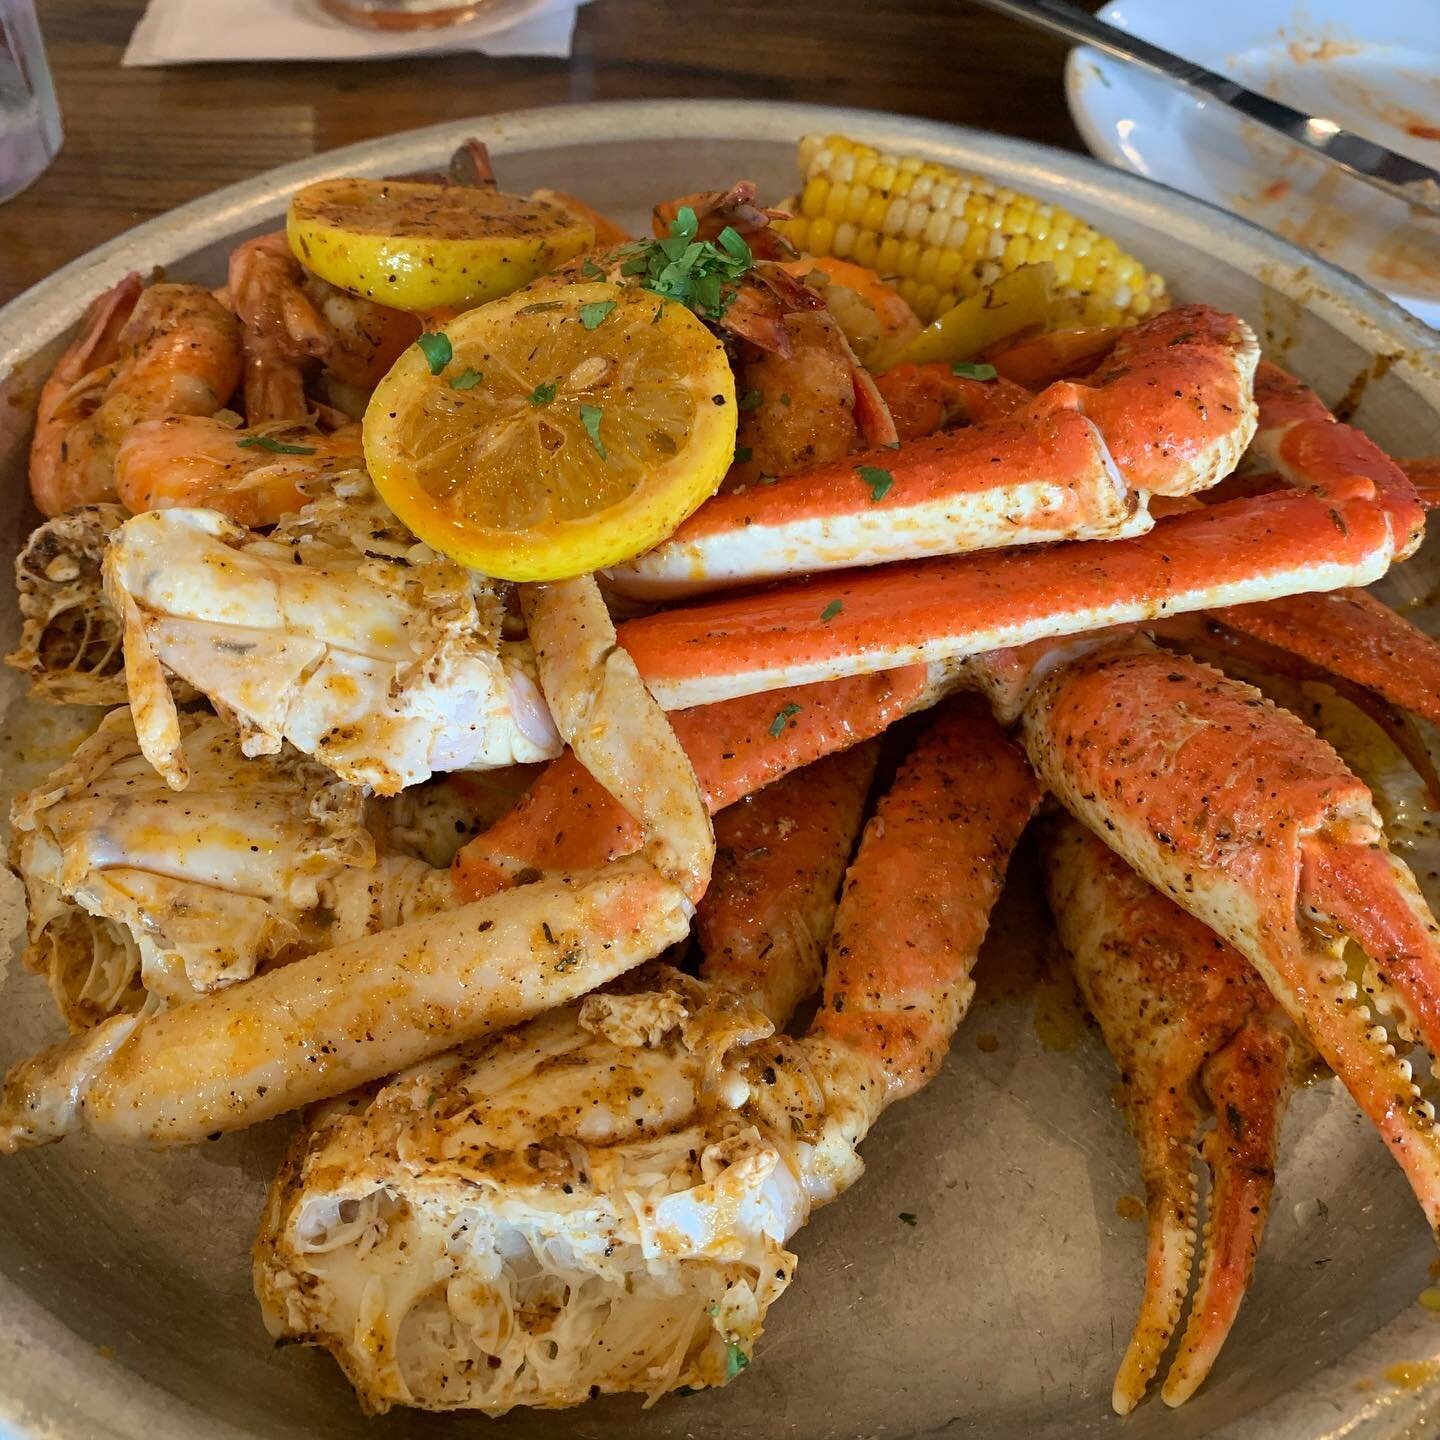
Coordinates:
[563,664]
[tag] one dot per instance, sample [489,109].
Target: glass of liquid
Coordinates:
[405,14]
[29,117]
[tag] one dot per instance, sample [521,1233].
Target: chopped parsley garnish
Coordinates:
[783,718]
[699,273]
[742,454]
[431,1098]
[969,371]
[590,417]
[785,401]
[735,1360]
[877,479]
[590,270]
[750,400]
[467,379]
[593,313]
[907,1218]
[831,611]
[274,446]
[436,348]
[544,393]
[540,307]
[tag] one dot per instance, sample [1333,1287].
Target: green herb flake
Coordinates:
[467,379]
[543,394]
[431,1098]
[879,481]
[742,455]
[831,611]
[785,401]
[590,418]
[750,400]
[782,719]
[701,274]
[590,270]
[969,371]
[540,307]
[592,314]
[735,1360]
[436,348]
[273,446]
[906,1218]
[549,933]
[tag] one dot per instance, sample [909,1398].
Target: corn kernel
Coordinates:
[844,241]
[822,236]
[867,245]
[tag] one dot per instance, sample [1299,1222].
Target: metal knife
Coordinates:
[1408,180]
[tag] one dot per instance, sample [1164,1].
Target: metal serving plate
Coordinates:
[125,1305]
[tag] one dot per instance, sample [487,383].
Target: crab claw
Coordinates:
[1253,824]
[1248,1083]
[1192,1029]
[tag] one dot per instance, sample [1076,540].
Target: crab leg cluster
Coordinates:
[626,1230]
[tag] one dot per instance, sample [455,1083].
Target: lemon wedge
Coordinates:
[420,247]
[554,432]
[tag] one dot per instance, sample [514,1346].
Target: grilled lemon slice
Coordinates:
[420,247]
[554,432]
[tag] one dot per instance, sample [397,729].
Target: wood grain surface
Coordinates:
[139,142]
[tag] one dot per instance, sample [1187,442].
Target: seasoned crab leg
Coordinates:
[1171,414]
[779,857]
[1248,820]
[567,820]
[963,605]
[319,1026]
[631,1167]
[1191,1028]
[1314,451]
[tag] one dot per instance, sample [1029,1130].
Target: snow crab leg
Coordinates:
[327,1022]
[779,858]
[566,819]
[1244,817]
[1192,1029]
[630,1168]
[1170,414]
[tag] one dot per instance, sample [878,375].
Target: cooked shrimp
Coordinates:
[797,409]
[875,316]
[292,318]
[143,354]
[255,476]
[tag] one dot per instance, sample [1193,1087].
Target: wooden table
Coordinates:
[139,142]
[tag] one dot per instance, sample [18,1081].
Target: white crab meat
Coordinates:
[69,636]
[181,894]
[337,632]
[596,1202]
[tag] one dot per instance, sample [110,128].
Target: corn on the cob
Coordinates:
[943,235]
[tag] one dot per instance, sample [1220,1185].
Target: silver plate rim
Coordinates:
[109,1401]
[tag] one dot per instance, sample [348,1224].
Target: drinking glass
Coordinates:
[29,117]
